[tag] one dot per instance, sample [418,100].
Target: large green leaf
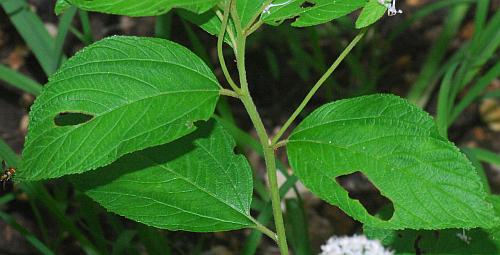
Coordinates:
[137,7]
[137,93]
[397,146]
[449,241]
[309,12]
[195,183]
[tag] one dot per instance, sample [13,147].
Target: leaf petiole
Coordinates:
[318,84]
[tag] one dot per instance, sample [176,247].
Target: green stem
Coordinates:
[229,93]
[266,231]
[280,144]
[270,160]
[318,84]
[253,25]
[268,150]
[220,43]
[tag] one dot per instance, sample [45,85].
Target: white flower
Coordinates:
[391,7]
[355,245]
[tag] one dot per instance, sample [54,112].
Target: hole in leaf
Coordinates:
[362,189]
[71,118]
[307,4]
[290,20]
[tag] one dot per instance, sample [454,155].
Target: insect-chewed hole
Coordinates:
[71,118]
[307,4]
[362,189]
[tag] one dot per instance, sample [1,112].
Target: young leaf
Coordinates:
[116,96]
[247,9]
[372,12]
[210,22]
[309,12]
[137,7]
[397,146]
[195,183]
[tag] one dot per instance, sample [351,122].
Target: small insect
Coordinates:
[7,174]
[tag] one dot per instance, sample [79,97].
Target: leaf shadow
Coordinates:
[448,241]
[143,159]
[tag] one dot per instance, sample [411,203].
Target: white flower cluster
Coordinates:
[354,245]
[391,7]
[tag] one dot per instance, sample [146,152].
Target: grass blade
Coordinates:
[28,235]
[33,31]
[486,156]
[153,239]
[443,101]
[475,92]
[62,32]
[163,25]
[437,53]
[123,242]
[87,37]
[39,193]
[20,81]
[298,228]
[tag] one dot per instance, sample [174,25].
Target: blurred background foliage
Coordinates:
[442,55]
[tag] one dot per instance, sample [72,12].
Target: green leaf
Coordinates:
[33,31]
[309,12]
[372,12]
[139,7]
[449,241]
[61,6]
[247,9]
[19,81]
[210,22]
[125,94]
[397,146]
[195,183]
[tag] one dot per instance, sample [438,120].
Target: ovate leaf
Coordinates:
[139,7]
[309,12]
[372,12]
[195,183]
[116,96]
[397,146]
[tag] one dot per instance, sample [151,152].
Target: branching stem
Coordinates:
[242,92]
[229,93]
[318,85]
[268,150]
